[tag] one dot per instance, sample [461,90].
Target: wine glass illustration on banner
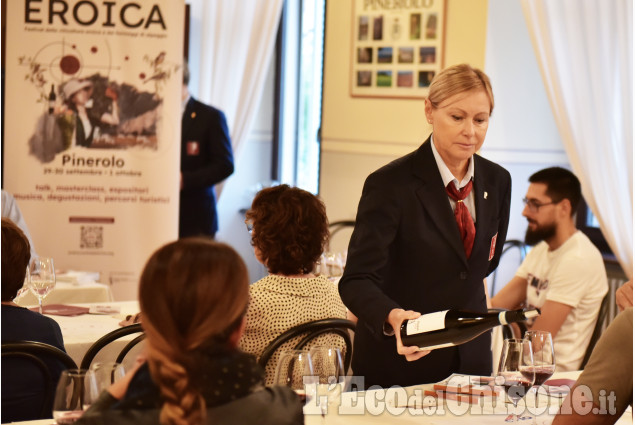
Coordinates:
[544,358]
[41,277]
[295,370]
[329,371]
[516,372]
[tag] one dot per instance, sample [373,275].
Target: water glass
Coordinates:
[41,274]
[70,395]
[295,370]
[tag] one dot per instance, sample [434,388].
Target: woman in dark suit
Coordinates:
[408,254]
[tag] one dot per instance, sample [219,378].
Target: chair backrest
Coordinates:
[510,244]
[35,352]
[110,337]
[337,226]
[597,329]
[309,331]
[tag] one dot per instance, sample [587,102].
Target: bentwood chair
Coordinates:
[509,245]
[597,329]
[42,358]
[309,331]
[110,337]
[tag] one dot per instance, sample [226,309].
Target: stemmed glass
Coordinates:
[72,394]
[104,375]
[41,277]
[329,370]
[295,370]
[331,265]
[544,358]
[516,371]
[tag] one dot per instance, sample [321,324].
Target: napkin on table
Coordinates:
[62,310]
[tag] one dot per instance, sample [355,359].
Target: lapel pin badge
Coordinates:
[484,195]
[193,115]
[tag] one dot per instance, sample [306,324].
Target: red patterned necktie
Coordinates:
[462,215]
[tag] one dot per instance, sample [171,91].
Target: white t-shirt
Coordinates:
[574,275]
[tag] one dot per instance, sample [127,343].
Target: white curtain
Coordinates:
[585,53]
[237,44]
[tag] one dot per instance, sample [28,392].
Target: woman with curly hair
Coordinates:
[193,295]
[289,230]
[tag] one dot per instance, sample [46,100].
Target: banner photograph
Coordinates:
[92,130]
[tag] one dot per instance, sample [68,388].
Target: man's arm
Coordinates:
[512,295]
[624,296]
[552,316]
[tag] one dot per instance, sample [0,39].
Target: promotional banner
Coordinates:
[92,117]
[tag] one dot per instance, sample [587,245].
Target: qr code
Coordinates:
[91,237]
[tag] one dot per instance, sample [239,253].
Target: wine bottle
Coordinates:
[454,327]
[52,99]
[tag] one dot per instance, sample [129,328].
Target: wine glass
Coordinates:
[41,277]
[516,371]
[544,358]
[295,370]
[104,375]
[331,265]
[329,371]
[71,394]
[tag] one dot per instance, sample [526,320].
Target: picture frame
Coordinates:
[396,48]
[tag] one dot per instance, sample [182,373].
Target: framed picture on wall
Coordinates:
[396,47]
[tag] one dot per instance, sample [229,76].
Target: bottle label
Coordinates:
[435,347]
[426,323]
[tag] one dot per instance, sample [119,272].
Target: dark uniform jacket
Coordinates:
[406,252]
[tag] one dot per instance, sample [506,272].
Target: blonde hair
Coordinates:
[193,293]
[459,79]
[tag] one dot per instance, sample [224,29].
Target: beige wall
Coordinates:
[361,134]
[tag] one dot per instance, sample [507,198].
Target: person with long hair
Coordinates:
[193,296]
[289,230]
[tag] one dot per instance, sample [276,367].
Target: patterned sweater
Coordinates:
[278,303]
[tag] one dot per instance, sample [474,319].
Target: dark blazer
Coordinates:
[206,159]
[406,252]
[22,385]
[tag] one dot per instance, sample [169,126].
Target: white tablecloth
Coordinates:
[371,411]
[80,332]
[68,293]
[378,407]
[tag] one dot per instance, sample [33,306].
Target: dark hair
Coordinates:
[290,228]
[16,253]
[561,184]
[193,294]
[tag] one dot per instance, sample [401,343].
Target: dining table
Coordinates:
[70,293]
[80,332]
[407,405]
[411,405]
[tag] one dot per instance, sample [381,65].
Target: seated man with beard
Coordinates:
[563,274]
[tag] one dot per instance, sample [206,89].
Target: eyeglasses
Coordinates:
[250,225]
[534,205]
